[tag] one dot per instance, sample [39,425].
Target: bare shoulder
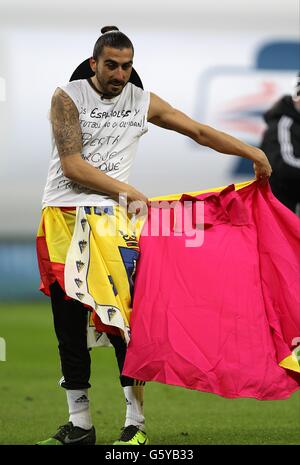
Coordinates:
[158,107]
[61,102]
[60,93]
[162,114]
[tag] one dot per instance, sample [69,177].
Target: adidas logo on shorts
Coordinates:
[81,399]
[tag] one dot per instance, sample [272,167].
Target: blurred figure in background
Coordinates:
[281,143]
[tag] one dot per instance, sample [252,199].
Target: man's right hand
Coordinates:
[134,195]
[136,201]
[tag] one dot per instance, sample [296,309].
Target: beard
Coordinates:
[111,88]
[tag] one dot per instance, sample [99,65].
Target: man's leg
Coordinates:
[133,432]
[70,323]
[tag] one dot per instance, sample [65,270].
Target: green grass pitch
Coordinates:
[32,404]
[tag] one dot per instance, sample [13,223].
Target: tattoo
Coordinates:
[65,124]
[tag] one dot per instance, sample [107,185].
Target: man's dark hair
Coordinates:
[111,37]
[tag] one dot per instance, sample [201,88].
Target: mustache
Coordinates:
[114,82]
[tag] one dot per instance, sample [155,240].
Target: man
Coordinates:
[281,143]
[96,126]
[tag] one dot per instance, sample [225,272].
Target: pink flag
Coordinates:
[224,316]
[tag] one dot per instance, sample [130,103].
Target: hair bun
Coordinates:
[109,29]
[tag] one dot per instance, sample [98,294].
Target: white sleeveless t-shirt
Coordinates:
[111,129]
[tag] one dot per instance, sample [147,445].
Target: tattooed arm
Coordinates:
[68,138]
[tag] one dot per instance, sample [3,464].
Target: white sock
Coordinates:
[79,409]
[134,396]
